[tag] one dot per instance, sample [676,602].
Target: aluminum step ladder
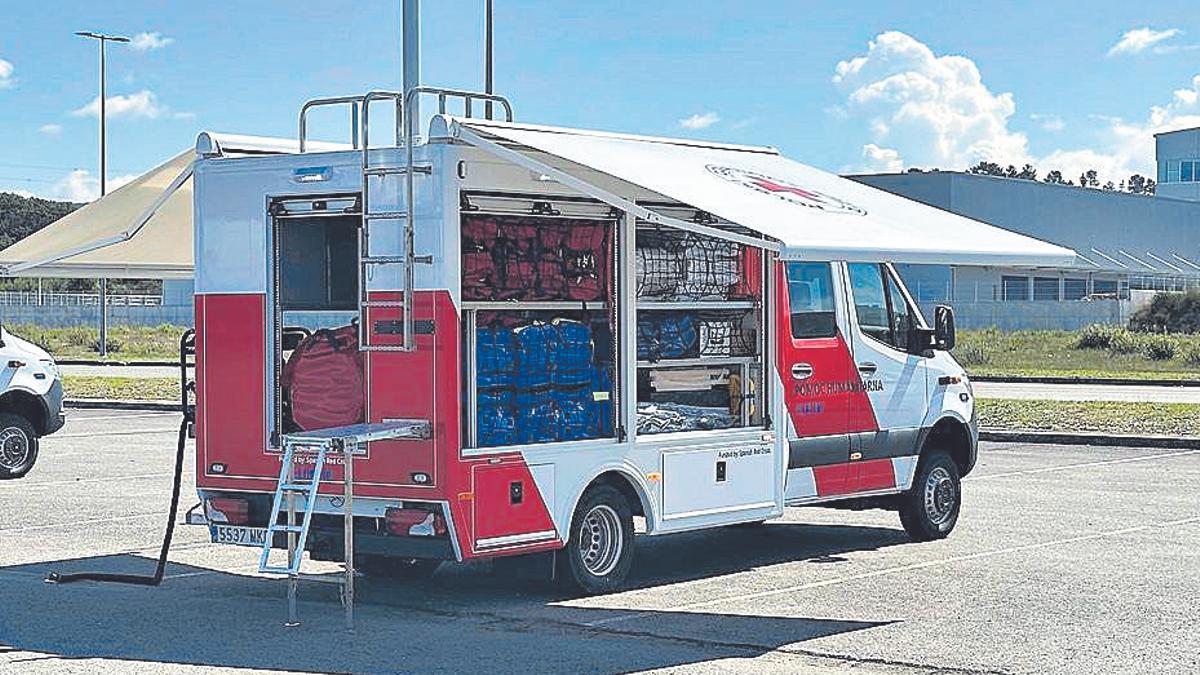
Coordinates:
[320,445]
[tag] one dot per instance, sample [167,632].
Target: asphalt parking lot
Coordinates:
[1066,559]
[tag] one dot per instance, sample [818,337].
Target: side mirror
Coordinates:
[943,327]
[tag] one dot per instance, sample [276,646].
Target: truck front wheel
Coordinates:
[18,446]
[599,550]
[929,510]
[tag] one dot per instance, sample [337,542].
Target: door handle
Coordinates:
[867,368]
[802,371]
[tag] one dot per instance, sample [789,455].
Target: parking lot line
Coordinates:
[93,521]
[1084,465]
[106,479]
[903,568]
[124,432]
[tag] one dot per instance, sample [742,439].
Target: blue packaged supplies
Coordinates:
[602,405]
[535,348]
[496,423]
[667,336]
[572,353]
[577,419]
[537,417]
[495,357]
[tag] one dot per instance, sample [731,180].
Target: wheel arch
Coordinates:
[954,436]
[28,405]
[624,481]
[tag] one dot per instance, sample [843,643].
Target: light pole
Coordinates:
[103,299]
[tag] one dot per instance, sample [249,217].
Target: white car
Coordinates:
[31,403]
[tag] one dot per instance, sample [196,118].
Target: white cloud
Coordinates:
[144,42]
[142,104]
[1139,39]
[926,109]
[700,121]
[6,74]
[921,109]
[881,159]
[51,129]
[82,186]
[1049,122]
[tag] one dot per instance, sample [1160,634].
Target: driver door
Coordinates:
[894,379]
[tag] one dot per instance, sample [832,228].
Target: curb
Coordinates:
[1084,438]
[119,364]
[112,404]
[1118,381]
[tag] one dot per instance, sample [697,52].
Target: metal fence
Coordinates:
[53,299]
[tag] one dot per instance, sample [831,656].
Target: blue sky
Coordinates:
[842,86]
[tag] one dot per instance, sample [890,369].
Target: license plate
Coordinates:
[237,535]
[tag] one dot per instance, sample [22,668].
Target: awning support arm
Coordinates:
[616,201]
[126,235]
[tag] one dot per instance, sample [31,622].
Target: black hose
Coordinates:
[186,346]
[160,568]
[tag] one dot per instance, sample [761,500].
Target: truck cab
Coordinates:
[31,403]
[871,390]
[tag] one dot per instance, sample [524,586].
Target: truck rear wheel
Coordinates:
[18,446]
[599,550]
[929,510]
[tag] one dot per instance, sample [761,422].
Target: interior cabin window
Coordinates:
[810,297]
[903,316]
[882,310]
[870,301]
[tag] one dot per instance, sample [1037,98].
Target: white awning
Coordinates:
[806,213]
[141,230]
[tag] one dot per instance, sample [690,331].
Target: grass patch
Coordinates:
[122,388]
[1111,417]
[1106,352]
[126,343]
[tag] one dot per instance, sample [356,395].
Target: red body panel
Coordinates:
[832,400]
[875,474]
[231,389]
[496,513]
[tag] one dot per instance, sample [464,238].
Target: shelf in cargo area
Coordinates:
[700,362]
[696,305]
[533,305]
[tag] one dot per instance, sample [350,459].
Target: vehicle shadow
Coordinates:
[467,615]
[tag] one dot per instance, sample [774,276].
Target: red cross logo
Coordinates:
[771,186]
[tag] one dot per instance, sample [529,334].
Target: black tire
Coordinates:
[387,567]
[599,550]
[929,510]
[18,446]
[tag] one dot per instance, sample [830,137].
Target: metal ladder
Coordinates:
[287,491]
[406,258]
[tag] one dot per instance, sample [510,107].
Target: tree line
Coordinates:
[1136,184]
[22,216]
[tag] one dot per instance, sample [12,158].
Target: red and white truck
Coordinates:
[526,337]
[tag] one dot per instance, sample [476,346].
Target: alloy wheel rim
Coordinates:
[14,448]
[600,540]
[940,497]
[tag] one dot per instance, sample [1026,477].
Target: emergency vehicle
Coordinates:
[488,338]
